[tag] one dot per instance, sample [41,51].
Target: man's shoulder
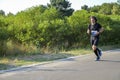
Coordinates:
[98,24]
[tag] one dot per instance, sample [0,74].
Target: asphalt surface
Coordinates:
[82,67]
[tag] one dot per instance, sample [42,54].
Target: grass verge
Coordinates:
[8,62]
[15,61]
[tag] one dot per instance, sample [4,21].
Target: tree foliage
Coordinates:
[106,8]
[2,12]
[63,6]
[44,27]
[118,1]
[85,7]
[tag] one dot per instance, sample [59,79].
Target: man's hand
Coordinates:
[97,33]
[101,30]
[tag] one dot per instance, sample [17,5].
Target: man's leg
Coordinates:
[99,51]
[94,43]
[94,47]
[95,50]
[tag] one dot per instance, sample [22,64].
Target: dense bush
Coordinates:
[4,35]
[45,28]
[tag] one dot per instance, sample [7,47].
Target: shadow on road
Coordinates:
[110,61]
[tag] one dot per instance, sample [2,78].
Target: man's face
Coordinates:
[92,21]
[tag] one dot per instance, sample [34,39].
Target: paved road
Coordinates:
[74,68]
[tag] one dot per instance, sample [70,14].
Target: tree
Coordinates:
[10,14]
[63,6]
[106,9]
[94,9]
[116,9]
[2,12]
[85,7]
[3,35]
[118,1]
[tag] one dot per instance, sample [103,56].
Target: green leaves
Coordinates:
[2,13]
[63,6]
[106,8]
[47,27]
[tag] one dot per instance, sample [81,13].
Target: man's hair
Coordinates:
[94,18]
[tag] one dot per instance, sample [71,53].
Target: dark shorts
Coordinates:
[94,41]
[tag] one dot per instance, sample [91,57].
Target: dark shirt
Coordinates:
[95,27]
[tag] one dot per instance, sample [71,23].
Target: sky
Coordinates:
[15,6]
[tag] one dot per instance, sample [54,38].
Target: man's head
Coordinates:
[93,19]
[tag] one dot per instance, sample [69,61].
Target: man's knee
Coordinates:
[94,47]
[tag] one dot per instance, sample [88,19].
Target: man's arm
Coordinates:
[101,30]
[88,31]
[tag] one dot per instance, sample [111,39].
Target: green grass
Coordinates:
[12,61]
[8,62]
[15,61]
[110,47]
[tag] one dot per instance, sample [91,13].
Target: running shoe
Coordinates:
[98,58]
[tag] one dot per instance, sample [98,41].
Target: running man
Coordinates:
[95,29]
